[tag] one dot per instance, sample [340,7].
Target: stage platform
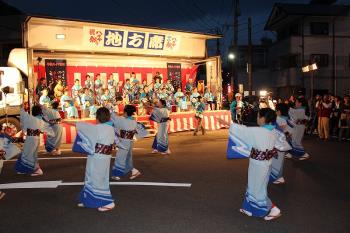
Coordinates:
[184,121]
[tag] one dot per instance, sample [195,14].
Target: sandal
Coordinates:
[245,212]
[2,194]
[106,208]
[272,217]
[134,176]
[80,205]
[274,213]
[279,181]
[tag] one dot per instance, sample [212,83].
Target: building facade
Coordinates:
[310,33]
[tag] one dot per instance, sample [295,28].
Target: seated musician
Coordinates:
[67,105]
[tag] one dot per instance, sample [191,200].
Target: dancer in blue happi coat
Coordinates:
[33,125]
[200,108]
[126,128]
[160,115]
[97,142]
[260,144]
[8,150]
[282,126]
[297,122]
[53,117]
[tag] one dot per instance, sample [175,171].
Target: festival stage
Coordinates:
[184,121]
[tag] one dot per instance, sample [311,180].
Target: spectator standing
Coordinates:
[324,112]
[344,122]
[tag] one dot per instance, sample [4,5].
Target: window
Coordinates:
[320,59]
[317,28]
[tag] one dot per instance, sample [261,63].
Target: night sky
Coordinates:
[191,15]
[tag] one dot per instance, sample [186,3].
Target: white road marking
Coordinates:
[55,184]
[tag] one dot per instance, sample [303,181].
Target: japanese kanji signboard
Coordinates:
[174,74]
[100,37]
[56,69]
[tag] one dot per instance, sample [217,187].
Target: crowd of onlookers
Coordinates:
[329,115]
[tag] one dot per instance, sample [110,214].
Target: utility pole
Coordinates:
[217,43]
[236,13]
[250,56]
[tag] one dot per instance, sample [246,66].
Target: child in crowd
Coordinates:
[33,125]
[97,140]
[126,128]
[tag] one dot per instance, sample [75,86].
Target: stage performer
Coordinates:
[262,143]
[277,162]
[157,87]
[53,117]
[160,115]
[44,99]
[89,84]
[33,125]
[194,98]
[98,83]
[209,98]
[128,91]
[200,108]
[86,102]
[126,128]
[67,105]
[97,140]
[59,88]
[178,96]
[297,122]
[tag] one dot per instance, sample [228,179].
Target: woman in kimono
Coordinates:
[86,102]
[98,83]
[178,99]
[160,115]
[8,150]
[89,84]
[200,108]
[194,98]
[297,122]
[260,144]
[125,129]
[209,98]
[53,117]
[67,105]
[59,88]
[33,125]
[97,142]
[282,126]
[44,99]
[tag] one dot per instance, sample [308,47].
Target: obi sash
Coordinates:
[55,121]
[127,134]
[33,132]
[263,155]
[103,149]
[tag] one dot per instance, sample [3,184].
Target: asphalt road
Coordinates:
[316,197]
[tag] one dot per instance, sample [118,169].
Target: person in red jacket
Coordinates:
[324,108]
